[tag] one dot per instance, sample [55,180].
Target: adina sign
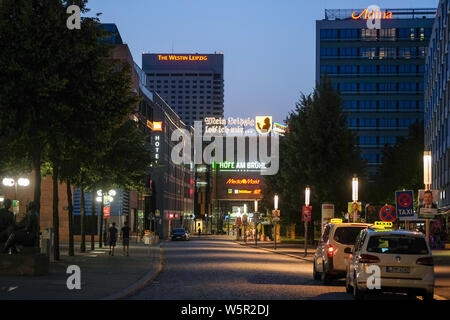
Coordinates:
[373,14]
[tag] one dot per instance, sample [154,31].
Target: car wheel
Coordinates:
[348,287]
[429,296]
[357,294]
[316,275]
[325,277]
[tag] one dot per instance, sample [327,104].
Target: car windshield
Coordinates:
[178,231]
[397,244]
[347,235]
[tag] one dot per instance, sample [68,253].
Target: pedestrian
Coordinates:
[6,221]
[125,235]
[199,231]
[112,238]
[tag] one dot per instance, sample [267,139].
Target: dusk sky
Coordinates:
[268,45]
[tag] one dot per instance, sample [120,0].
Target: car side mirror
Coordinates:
[348,250]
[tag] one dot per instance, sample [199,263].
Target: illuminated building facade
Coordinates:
[378,71]
[192,84]
[437,91]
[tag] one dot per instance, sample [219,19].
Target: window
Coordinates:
[367,122]
[328,34]
[387,53]
[396,244]
[389,140]
[388,123]
[369,34]
[367,104]
[387,86]
[407,104]
[368,69]
[329,69]
[348,69]
[387,34]
[328,52]
[406,33]
[347,235]
[367,140]
[407,53]
[350,104]
[369,157]
[407,68]
[349,34]
[368,52]
[349,52]
[348,86]
[388,105]
[407,86]
[368,86]
[406,122]
[352,122]
[388,68]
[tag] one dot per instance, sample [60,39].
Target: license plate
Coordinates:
[398,269]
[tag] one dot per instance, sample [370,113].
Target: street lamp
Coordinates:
[275,206]
[245,223]
[101,197]
[307,198]
[427,183]
[355,188]
[256,218]
[10,182]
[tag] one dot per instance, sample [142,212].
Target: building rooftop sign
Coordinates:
[372,14]
[369,13]
[177,57]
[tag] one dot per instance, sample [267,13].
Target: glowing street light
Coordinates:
[23,182]
[275,202]
[256,205]
[427,169]
[8,182]
[307,195]
[355,188]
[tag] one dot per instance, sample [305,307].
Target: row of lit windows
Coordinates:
[372,69]
[179,81]
[374,53]
[382,86]
[391,34]
[384,105]
[376,140]
[381,123]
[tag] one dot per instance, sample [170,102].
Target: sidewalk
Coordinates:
[102,276]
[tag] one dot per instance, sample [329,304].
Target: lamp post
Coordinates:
[427,183]
[101,197]
[10,182]
[275,206]
[245,223]
[307,198]
[355,195]
[256,222]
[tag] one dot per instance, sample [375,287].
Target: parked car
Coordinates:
[180,233]
[404,259]
[330,260]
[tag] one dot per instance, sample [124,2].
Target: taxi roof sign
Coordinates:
[336,221]
[385,224]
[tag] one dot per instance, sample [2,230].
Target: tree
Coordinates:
[318,150]
[402,166]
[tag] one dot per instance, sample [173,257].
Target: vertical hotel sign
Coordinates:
[157,127]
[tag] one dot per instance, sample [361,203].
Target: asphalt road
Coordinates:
[218,269]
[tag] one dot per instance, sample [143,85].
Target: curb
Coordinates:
[143,282]
[277,252]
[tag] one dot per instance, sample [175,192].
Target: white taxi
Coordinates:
[403,263]
[330,259]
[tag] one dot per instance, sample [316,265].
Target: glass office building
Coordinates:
[378,71]
[436,117]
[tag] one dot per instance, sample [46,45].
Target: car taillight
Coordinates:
[425,261]
[367,258]
[330,252]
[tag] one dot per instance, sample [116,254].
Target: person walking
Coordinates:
[6,221]
[199,231]
[112,238]
[125,235]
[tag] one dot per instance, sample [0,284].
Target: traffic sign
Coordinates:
[306,213]
[388,213]
[404,204]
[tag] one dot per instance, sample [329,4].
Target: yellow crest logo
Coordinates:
[263,124]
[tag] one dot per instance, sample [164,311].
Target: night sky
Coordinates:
[268,45]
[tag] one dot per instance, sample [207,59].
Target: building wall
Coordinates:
[193,89]
[437,88]
[379,74]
